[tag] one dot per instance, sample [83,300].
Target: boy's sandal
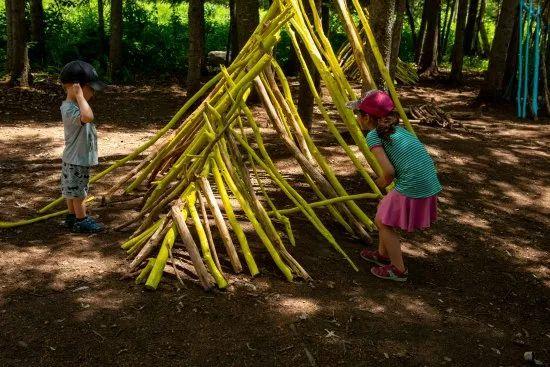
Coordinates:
[374,257]
[390,272]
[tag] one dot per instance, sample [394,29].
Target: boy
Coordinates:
[80,81]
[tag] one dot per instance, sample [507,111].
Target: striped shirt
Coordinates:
[415,173]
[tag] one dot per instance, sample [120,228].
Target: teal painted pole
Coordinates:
[536,66]
[526,65]
[520,59]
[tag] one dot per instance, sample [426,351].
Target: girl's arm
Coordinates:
[388,172]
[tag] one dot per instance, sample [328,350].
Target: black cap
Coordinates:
[83,73]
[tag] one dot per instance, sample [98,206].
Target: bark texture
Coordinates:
[37,31]
[195,14]
[247,19]
[427,63]
[18,65]
[493,84]
[458,48]
[470,31]
[396,36]
[382,18]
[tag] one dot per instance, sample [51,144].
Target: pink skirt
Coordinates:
[399,211]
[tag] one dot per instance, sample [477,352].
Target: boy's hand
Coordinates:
[77,90]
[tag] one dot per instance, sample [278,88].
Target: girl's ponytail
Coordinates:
[386,125]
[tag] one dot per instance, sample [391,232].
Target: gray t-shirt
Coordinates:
[80,138]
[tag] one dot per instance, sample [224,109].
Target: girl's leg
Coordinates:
[381,247]
[79,208]
[389,242]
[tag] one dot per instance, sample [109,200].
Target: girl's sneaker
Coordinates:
[374,257]
[390,272]
[87,225]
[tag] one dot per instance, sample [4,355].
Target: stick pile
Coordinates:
[212,165]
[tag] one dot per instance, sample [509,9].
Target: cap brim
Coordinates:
[97,85]
[353,105]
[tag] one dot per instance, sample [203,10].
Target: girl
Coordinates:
[412,204]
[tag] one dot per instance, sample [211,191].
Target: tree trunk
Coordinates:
[9,46]
[17,39]
[509,81]
[396,35]
[305,97]
[233,42]
[469,31]
[115,51]
[493,84]
[195,14]
[427,63]
[247,19]
[382,20]
[101,27]
[421,31]
[410,18]
[38,50]
[447,30]
[476,45]
[485,45]
[458,48]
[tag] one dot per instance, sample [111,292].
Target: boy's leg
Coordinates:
[389,240]
[70,206]
[79,208]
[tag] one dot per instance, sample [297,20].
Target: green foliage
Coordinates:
[156,35]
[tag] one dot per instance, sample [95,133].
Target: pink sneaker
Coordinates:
[390,272]
[374,257]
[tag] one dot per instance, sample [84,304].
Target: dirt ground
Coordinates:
[478,293]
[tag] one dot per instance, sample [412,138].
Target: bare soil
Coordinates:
[478,293]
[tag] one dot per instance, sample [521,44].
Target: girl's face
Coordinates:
[366,122]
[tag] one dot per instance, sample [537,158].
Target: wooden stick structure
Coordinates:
[212,164]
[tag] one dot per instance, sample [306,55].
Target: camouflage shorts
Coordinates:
[74,181]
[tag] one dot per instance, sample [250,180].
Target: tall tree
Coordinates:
[382,16]
[232,39]
[493,84]
[115,44]
[470,31]
[305,97]
[101,26]
[247,18]
[195,14]
[458,48]
[396,35]
[17,63]
[427,63]
[421,31]
[478,41]
[38,49]
[447,28]
[410,18]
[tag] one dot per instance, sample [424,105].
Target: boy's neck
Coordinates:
[70,98]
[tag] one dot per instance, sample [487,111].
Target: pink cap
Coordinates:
[375,103]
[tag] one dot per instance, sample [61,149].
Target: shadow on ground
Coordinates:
[478,292]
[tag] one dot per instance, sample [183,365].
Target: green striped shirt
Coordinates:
[415,173]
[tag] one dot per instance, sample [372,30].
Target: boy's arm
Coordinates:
[86,113]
